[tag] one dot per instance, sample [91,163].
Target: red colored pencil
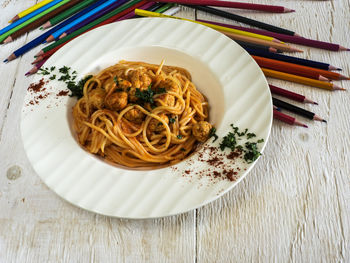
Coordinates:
[290,39]
[287,119]
[290,95]
[258,7]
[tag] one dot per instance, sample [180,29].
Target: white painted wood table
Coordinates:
[292,207]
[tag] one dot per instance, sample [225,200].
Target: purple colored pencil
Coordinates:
[132,13]
[94,17]
[291,39]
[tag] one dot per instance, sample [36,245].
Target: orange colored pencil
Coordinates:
[302,80]
[279,46]
[300,70]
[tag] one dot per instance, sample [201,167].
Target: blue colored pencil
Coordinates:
[88,20]
[295,60]
[59,32]
[29,16]
[41,39]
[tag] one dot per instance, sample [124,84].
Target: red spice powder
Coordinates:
[62,93]
[37,87]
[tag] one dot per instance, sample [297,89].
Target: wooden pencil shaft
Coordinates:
[76,8]
[91,25]
[243,19]
[264,62]
[40,20]
[286,58]
[292,108]
[252,40]
[33,8]
[297,79]
[249,6]
[287,93]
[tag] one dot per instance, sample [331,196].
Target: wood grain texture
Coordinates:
[292,207]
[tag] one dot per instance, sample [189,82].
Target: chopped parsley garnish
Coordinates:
[115,79]
[52,77]
[250,149]
[179,136]
[52,68]
[146,96]
[64,70]
[212,134]
[228,141]
[118,90]
[250,135]
[44,71]
[172,120]
[77,88]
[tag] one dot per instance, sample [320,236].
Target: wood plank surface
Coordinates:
[292,207]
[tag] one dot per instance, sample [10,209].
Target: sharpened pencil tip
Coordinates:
[324,121]
[41,28]
[6,60]
[27,74]
[315,103]
[305,126]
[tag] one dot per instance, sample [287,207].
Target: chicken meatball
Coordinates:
[116,101]
[156,125]
[169,85]
[139,78]
[201,130]
[123,84]
[97,96]
[166,100]
[135,115]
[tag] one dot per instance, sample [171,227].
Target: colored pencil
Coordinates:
[40,39]
[256,46]
[295,60]
[36,68]
[243,19]
[30,10]
[93,17]
[108,18]
[297,69]
[290,95]
[302,80]
[33,22]
[224,29]
[297,110]
[271,64]
[60,17]
[239,5]
[279,46]
[127,13]
[26,18]
[287,119]
[290,39]
[161,9]
[59,32]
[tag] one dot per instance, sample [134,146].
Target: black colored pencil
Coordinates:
[256,46]
[243,19]
[297,110]
[290,59]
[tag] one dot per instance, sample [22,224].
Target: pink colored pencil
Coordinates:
[287,119]
[258,7]
[290,39]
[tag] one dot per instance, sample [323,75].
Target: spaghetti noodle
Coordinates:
[141,115]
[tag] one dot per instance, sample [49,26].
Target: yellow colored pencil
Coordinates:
[141,12]
[302,80]
[29,10]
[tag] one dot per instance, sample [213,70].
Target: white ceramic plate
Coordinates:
[234,85]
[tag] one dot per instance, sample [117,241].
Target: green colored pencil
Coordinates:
[88,26]
[55,20]
[164,8]
[5,35]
